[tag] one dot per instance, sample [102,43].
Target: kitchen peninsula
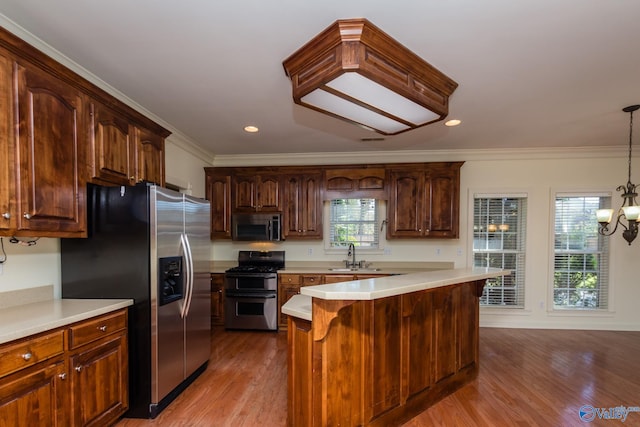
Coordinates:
[376,352]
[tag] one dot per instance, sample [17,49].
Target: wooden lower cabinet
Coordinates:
[71,376]
[381,362]
[290,284]
[217,299]
[99,370]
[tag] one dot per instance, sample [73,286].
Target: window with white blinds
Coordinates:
[581,255]
[353,221]
[499,240]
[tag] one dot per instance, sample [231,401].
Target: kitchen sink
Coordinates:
[353,270]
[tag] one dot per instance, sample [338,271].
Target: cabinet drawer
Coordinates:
[290,279]
[311,279]
[14,357]
[94,329]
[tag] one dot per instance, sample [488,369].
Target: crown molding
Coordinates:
[286,159]
[185,143]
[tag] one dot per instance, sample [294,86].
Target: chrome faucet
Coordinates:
[352,254]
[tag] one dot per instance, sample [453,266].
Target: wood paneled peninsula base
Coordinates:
[377,352]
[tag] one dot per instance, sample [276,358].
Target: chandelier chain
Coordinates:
[630,141]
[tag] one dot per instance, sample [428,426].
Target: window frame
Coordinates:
[381,208]
[570,310]
[507,194]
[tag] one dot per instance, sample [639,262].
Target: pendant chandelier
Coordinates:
[629,212]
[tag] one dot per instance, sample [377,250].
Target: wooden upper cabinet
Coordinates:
[8,208]
[303,207]
[149,156]
[253,193]
[355,182]
[424,201]
[51,147]
[218,187]
[58,131]
[112,157]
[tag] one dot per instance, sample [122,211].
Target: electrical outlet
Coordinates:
[438,251]
[459,251]
[310,251]
[387,251]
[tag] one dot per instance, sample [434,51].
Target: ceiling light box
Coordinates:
[355,72]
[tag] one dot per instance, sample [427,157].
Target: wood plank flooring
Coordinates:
[527,378]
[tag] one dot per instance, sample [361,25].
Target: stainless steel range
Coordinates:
[251,291]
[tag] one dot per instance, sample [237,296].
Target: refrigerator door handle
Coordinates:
[190,278]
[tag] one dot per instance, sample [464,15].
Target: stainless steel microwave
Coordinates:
[256,226]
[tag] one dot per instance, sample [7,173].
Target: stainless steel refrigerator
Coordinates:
[152,245]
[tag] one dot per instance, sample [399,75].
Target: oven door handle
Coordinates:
[247,295]
[245,275]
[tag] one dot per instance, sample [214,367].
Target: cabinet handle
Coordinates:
[103,328]
[63,376]
[6,215]
[79,368]
[26,215]
[27,356]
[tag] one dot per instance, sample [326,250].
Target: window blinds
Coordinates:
[499,240]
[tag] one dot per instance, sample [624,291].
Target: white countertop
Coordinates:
[298,306]
[382,287]
[28,319]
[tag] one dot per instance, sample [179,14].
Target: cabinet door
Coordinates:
[149,156]
[303,206]
[219,194]
[51,151]
[269,193]
[406,199]
[245,193]
[8,209]
[288,286]
[256,193]
[112,157]
[442,207]
[99,381]
[217,299]
[35,397]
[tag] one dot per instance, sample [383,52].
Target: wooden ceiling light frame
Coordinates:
[338,66]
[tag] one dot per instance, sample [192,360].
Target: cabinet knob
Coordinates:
[6,215]
[132,178]
[312,279]
[27,356]
[62,376]
[79,368]
[27,215]
[102,328]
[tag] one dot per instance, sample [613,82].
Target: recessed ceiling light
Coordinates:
[452,122]
[251,129]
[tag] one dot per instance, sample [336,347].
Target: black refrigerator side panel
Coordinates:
[113,262]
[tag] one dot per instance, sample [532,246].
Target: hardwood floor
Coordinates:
[527,378]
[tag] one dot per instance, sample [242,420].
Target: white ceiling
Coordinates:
[531,73]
